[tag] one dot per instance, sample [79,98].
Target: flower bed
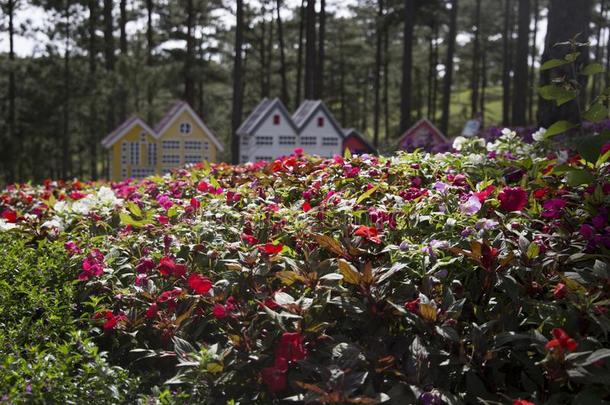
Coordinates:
[453,278]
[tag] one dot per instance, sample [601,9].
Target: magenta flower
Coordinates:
[553,208]
[512,199]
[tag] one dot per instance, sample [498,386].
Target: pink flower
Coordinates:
[219,311]
[164,201]
[151,312]
[72,248]
[560,291]
[93,265]
[168,267]
[512,199]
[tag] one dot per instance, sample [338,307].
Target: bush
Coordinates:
[479,277]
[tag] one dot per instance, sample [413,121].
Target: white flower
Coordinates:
[458,142]
[60,206]
[508,133]
[475,159]
[54,223]
[539,135]
[106,196]
[562,157]
[493,146]
[471,206]
[84,205]
[6,226]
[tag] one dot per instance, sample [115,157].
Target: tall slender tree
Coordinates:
[237,81]
[448,79]
[189,58]
[521,71]
[310,50]
[110,63]
[8,157]
[534,55]
[319,86]
[283,67]
[91,87]
[474,81]
[506,63]
[378,61]
[299,81]
[407,65]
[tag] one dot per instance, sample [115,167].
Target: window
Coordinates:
[320,121]
[140,173]
[192,145]
[276,119]
[192,158]
[244,158]
[171,144]
[308,140]
[170,159]
[287,140]
[124,155]
[245,140]
[185,128]
[267,158]
[330,141]
[152,154]
[134,153]
[264,140]
[143,137]
[206,145]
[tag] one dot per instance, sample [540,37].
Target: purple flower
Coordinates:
[164,201]
[471,206]
[586,231]
[441,187]
[553,208]
[598,221]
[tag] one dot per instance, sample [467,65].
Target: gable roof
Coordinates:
[308,109]
[351,132]
[122,129]
[175,110]
[260,114]
[421,122]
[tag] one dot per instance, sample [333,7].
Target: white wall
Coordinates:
[327,131]
[267,128]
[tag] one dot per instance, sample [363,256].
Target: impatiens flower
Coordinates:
[553,208]
[560,291]
[72,248]
[199,283]
[270,248]
[413,306]
[145,265]
[195,203]
[485,193]
[151,312]
[290,347]
[441,187]
[168,267]
[512,199]
[93,265]
[562,341]
[540,193]
[111,319]
[471,206]
[369,233]
[306,206]
[587,231]
[522,401]
[458,142]
[9,216]
[164,201]
[170,295]
[219,311]
[539,135]
[274,377]
[249,239]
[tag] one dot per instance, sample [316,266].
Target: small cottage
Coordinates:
[356,143]
[423,135]
[179,138]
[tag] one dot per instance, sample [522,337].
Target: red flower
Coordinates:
[145,265]
[168,267]
[290,347]
[111,319]
[151,312]
[522,402]
[249,239]
[275,377]
[560,291]
[195,204]
[513,199]
[488,254]
[93,265]
[412,306]
[199,284]
[369,233]
[540,193]
[271,249]
[562,341]
[306,206]
[9,216]
[170,295]
[220,311]
[485,193]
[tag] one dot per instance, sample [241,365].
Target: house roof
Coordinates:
[122,129]
[260,114]
[421,122]
[307,111]
[175,110]
[354,133]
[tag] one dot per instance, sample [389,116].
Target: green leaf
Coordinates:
[578,177]
[533,250]
[134,209]
[553,63]
[366,194]
[602,159]
[559,94]
[347,154]
[558,128]
[589,147]
[571,57]
[214,182]
[595,113]
[595,357]
[592,69]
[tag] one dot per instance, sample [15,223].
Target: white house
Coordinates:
[270,131]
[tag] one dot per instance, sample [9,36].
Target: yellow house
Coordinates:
[181,137]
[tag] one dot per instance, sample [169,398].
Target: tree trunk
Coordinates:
[109,57]
[280,35]
[270,58]
[123,24]
[150,45]
[299,81]
[189,80]
[342,73]
[66,164]
[262,56]
[598,47]
[321,52]
[435,73]
[407,65]
[506,38]
[378,52]
[431,72]
[93,130]
[521,71]
[386,80]
[483,83]
[237,83]
[449,66]
[7,144]
[566,18]
[419,92]
[310,50]
[534,53]
[123,47]
[474,81]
